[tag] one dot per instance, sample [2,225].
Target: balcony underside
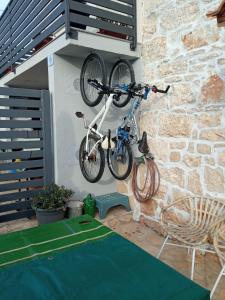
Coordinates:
[27,26]
[80,44]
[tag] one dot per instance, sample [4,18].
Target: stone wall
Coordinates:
[186,128]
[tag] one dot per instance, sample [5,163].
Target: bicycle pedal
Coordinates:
[79,114]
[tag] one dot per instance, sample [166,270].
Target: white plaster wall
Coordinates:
[64,76]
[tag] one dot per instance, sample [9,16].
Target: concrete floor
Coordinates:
[207,266]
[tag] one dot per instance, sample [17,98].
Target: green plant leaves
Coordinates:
[52,197]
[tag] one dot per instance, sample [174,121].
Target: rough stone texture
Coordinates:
[210,119]
[203,149]
[161,192]
[156,49]
[199,38]
[186,128]
[150,26]
[194,183]
[213,135]
[173,175]
[149,210]
[175,156]
[191,147]
[214,179]
[182,94]
[179,14]
[177,194]
[210,161]
[174,125]
[221,158]
[148,123]
[177,145]
[192,161]
[160,148]
[213,89]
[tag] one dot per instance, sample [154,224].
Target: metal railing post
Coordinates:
[10,37]
[67,18]
[133,44]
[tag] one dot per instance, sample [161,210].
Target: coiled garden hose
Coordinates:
[151,178]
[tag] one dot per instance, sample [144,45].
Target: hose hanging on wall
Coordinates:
[151,175]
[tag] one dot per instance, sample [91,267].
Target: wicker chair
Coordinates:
[219,244]
[192,222]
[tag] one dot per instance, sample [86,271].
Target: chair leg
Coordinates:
[163,245]
[217,281]
[193,264]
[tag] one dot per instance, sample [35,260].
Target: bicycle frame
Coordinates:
[101,115]
[131,119]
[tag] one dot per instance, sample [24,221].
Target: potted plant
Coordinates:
[50,204]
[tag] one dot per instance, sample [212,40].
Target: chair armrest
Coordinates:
[164,208]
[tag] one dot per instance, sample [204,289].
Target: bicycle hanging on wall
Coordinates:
[119,153]
[119,92]
[127,132]
[91,153]
[94,68]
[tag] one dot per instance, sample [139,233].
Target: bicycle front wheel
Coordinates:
[93,68]
[122,73]
[120,160]
[92,166]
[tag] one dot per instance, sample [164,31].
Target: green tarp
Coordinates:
[84,260]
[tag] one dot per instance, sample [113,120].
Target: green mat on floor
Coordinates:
[84,260]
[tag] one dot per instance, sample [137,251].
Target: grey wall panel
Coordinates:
[17,215]
[25,152]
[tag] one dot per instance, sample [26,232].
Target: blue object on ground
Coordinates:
[105,202]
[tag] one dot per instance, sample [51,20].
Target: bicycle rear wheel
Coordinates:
[120,162]
[93,68]
[92,167]
[122,73]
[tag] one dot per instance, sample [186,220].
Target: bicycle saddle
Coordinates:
[143,144]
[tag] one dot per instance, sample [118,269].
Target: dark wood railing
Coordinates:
[25,25]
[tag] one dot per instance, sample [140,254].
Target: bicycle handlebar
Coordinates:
[106,89]
[132,89]
[156,90]
[143,90]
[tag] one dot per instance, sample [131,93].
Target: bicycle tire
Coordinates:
[112,82]
[81,160]
[130,163]
[99,74]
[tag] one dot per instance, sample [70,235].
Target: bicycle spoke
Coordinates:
[120,161]
[93,68]
[122,73]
